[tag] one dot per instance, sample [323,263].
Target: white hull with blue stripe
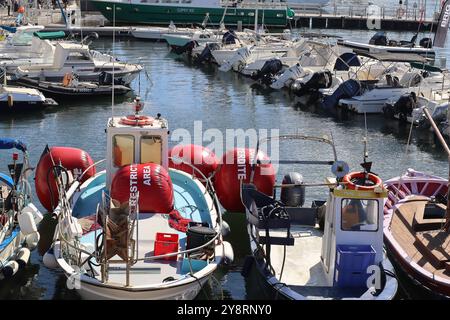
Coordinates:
[135,270]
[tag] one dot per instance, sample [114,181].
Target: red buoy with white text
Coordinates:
[148,180]
[235,167]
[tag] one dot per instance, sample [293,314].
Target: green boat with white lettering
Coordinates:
[186,12]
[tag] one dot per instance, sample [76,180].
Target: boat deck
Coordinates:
[421,237]
[190,203]
[145,272]
[303,270]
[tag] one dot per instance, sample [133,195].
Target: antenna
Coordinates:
[113,58]
[367,165]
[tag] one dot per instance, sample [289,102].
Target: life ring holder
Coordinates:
[137,120]
[347,180]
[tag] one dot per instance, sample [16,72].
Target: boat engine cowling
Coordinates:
[426,43]
[187,48]
[193,155]
[347,89]
[405,105]
[235,167]
[293,196]
[270,68]
[71,159]
[317,80]
[206,55]
[150,180]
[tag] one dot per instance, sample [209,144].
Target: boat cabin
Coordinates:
[135,139]
[353,231]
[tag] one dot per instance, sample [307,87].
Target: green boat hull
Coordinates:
[163,15]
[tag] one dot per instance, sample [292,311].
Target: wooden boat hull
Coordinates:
[421,285]
[413,183]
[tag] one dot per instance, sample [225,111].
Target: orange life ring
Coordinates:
[134,120]
[401,12]
[361,175]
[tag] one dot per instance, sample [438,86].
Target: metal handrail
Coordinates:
[98,257]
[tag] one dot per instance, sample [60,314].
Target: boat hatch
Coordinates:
[134,142]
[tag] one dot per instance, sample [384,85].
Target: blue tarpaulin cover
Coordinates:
[9,29]
[7,143]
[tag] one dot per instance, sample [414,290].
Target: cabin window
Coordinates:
[123,150]
[78,56]
[151,149]
[359,215]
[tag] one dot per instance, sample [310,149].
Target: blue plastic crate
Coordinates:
[352,262]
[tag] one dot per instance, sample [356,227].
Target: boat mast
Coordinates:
[113,57]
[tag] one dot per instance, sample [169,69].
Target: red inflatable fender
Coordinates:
[198,156]
[236,166]
[150,180]
[73,159]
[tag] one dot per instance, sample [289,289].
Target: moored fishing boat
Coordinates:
[72,87]
[139,229]
[18,216]
[194,11]
[331,250]
[416,227]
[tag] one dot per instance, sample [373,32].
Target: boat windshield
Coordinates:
[123,146]
[359,215]
[151,149]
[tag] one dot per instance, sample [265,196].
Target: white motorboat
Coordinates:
[372,98]
[15,99]
[160,239]
[77,58]
[380,44]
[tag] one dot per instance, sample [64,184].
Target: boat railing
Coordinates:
[21,196]
[64,210]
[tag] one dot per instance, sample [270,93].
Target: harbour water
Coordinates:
[184,93]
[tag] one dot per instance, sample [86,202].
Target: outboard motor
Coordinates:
[268,71]
[92,35]
[318,80]
[187,48]
[106,78]
[288,77]
[379,39]
[439,116]
[229,37]
[205,55]
[347,89]
[293,196]
[426,43]
[405,105]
